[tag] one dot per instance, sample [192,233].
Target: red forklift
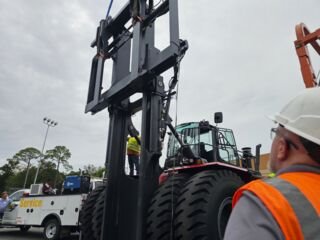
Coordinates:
[190,198]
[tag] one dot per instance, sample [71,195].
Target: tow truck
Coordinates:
[58,214]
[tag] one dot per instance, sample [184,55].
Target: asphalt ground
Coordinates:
[32,234]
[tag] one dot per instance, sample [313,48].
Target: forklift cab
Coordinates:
[205,141]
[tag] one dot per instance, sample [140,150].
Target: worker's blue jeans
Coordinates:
[133,164]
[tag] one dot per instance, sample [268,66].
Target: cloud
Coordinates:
[241,61]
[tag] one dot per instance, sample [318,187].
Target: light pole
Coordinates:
[26,177]
[49,123]
[57,173]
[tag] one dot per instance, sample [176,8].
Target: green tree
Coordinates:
[93,171]
[16,181]
[77,173]
[89,169]
[48,171]
[99,173]
[6,171]
[26,155]
[61,155]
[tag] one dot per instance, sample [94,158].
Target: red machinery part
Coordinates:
[304,37]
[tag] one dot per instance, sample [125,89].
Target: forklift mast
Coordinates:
[128,41]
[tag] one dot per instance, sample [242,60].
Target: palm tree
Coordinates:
[60,154]
[26,155]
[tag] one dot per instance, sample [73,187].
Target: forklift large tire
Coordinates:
[86,214]
[52,229]
[205,204]
[160,213]
[98,215]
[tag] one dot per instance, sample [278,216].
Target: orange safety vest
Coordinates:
[293,199]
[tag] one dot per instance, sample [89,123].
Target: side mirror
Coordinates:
[218,117]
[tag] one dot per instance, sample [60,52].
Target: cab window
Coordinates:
[17,195]
[227,146]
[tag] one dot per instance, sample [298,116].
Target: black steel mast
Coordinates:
[128,40]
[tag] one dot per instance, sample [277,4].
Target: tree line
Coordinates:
[20,170]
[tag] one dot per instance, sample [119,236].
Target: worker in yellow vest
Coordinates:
[288,205]
[133,152]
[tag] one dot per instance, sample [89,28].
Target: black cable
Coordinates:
[109,8]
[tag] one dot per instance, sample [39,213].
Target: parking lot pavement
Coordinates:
[32,234]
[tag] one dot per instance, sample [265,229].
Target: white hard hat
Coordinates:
[302,115]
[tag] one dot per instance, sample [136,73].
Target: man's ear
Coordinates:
[282,152]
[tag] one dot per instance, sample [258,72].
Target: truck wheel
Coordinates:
[98,215]
[205,204]
[87,214]
[24,228]
[161,209]
[52,229]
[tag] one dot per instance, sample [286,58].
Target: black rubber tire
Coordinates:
[160,213]
[86,214]
[205,204]
[52,229]
[98,215]
[24,228]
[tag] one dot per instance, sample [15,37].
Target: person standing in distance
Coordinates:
[288,205]
[133,152]
[4,202]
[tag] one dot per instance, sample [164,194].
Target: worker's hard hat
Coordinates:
[302,115]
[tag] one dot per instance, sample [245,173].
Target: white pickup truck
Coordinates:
[57,214]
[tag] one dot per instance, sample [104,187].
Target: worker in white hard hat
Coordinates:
[288,205]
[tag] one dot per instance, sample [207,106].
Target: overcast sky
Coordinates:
[241,61]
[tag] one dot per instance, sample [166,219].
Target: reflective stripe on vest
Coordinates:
[293,200]
[306,214]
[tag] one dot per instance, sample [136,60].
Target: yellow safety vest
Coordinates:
[133,146]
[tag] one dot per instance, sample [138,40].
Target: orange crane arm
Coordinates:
[304,37]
